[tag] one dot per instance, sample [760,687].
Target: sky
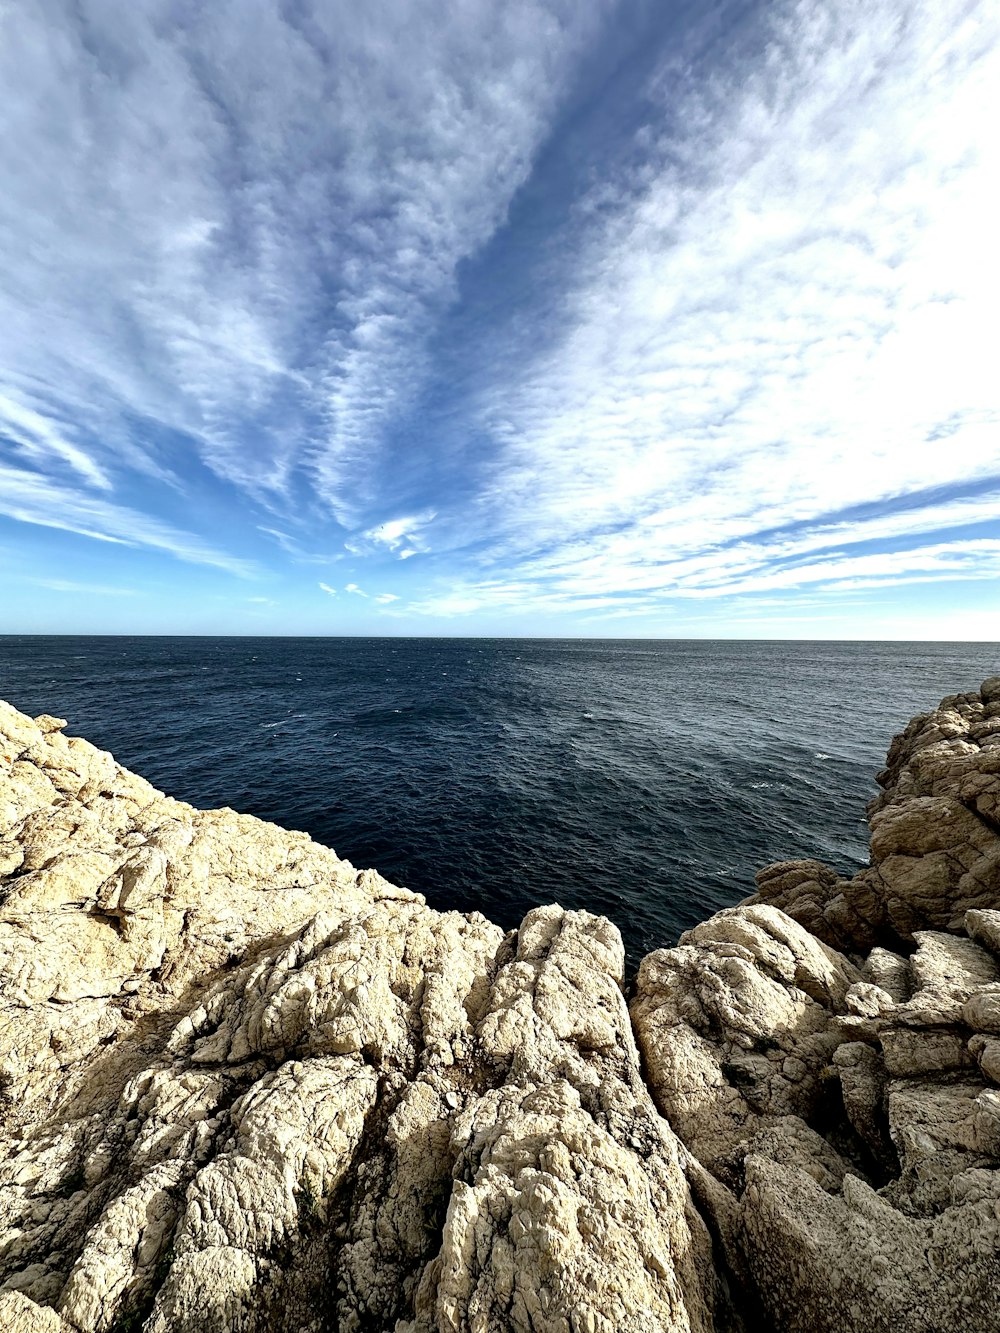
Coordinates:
[430,317]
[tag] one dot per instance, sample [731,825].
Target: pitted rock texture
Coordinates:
[830,1052]
[249,1088]
[935,837]
[246,1087]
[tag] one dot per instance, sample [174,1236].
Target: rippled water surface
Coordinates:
[645,780]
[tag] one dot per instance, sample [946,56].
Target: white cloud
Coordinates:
[452,604]
[327,589]
[790,318]
[41,439]
[769,337]
[384,598]
[31,498]
[744,572]
[659,556]
[965,559]
[404,536]
[84,589]
[294,547]
[260,217]
[499,597]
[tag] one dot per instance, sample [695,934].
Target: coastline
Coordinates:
[247,1086]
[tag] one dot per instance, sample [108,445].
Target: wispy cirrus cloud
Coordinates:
[666,555]
[31,498]
[782,317]
[600,310]
[405,536]
[82,589]
[379,598]
[736,574]
[941,561]
[258,223]
[41,439]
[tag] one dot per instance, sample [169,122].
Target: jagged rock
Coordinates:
[936,859]
[816,896]
[248,1088]
[565,1173]
[905,1233]
[824,1263]
[734,1027]
[863,1082]
[19,1315]
[935,845]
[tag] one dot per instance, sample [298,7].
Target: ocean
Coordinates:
[646,780]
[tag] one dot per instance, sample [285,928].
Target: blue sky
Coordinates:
[535,318]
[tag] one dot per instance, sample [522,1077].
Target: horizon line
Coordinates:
[511,638]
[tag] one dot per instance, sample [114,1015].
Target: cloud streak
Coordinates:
[82,589]
[259,223]
[30,498]
[787,318]
[604,310]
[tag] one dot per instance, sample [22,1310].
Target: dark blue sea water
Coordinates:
[645,780]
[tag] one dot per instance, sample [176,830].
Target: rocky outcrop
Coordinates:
[246,1087]
[935,837]
[830,1052]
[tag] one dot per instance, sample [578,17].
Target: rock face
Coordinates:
[246,1087]
[830,1052]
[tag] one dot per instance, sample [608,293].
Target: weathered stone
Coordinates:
[248,1088]
[250,1084]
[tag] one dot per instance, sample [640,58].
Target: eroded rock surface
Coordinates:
[246,1087]
[830,1052]
[935,844]
[249,1088]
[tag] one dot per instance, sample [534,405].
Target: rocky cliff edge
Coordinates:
[244,1086]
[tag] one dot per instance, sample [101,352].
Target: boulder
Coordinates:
[847,1104]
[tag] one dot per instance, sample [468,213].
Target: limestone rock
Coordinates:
[19,1315]
[248,1088]
[570,1208]
[935,849]
[735,1029]
[873,1204]
[815,896]
[826,1263]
